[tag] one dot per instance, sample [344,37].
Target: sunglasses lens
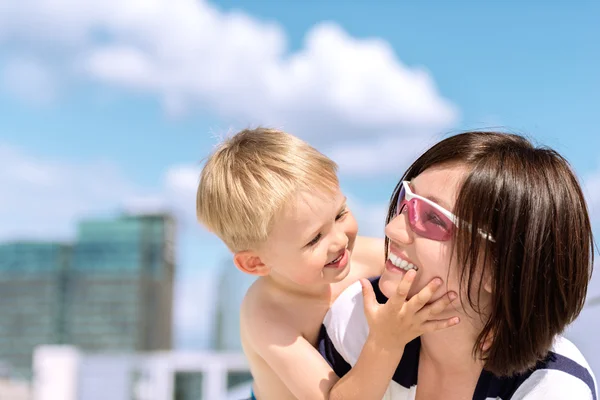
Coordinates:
[429,222]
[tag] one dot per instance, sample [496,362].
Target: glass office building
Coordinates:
[31,312]
[121,284]
[111,289]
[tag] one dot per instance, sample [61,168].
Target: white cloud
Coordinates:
[194,56]
[380,155]
[177,194]
[58,24]
[43,198]
[336,86]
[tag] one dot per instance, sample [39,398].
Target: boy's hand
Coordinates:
[393,324]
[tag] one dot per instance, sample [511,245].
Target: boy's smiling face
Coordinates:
[311,240]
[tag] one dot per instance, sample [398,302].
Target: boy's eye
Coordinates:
[315,240]
[341,215]
[319,236]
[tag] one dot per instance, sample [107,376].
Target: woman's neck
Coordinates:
[450,351]
[447,365]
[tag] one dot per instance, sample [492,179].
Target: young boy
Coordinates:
[276,203]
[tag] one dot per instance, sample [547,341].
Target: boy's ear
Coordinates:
[249,262]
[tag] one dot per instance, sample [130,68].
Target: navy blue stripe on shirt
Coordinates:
[331,355]
[566,365]
[491,386]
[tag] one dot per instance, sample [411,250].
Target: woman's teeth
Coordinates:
[400,263]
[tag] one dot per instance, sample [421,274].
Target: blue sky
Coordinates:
[109,105]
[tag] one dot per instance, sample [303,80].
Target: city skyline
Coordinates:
[112,106]
[111,289]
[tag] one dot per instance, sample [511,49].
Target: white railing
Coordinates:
[101,376]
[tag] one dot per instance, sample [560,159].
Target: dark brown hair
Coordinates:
[540,261]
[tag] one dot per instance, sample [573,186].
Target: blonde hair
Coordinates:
[250,178]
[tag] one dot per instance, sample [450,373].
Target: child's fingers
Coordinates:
[419,300]
[369,299]
[403,288]
[436,325]
[437,306]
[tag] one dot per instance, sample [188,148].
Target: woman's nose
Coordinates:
[398,229]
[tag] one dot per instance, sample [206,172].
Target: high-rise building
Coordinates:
[120,289]
[112,289]
[32,286]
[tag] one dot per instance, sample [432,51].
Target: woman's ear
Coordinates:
[488,281]
[487,285]
[487,342]
[249,262]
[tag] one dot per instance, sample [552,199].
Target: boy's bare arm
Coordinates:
[308,376]
[292,358]
[369,252]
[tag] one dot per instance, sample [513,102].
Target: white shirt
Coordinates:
[565,374]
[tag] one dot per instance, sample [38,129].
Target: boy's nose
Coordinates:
[340,241]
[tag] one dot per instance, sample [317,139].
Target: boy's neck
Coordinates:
[323,292]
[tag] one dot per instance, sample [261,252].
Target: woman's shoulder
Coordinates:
[567,349]
[565,373]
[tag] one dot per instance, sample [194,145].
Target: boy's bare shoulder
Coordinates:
[257,299]
[260,312]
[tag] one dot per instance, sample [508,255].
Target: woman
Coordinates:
[506,226]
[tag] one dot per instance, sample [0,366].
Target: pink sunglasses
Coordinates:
[427,218]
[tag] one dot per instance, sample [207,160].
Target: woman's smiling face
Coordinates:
[430,257]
